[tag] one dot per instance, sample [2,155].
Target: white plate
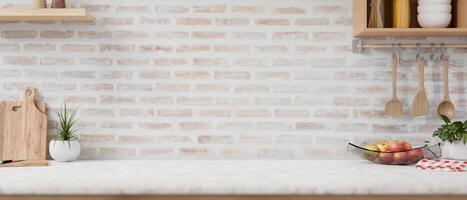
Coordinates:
[431,2]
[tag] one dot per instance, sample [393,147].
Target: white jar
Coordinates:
[64,151]
[456,150]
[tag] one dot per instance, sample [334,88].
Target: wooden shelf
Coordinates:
[26,14]
[411,32]
[360,14]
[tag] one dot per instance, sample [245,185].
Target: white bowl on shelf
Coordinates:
[434,20]
[434,9]
[433,2]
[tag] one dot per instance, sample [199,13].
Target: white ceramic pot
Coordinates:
[64,151]
[456,150]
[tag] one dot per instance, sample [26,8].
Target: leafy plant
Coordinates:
[66,122]
[452,131]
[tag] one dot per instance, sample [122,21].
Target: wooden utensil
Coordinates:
[420,102]
[375,20]
[394,106]
[39,4]
[446,107]
[23,127]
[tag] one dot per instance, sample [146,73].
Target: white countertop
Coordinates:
[228,177]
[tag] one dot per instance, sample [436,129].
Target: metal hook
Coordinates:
[399,53]
[443,52]
[432,55]
[418,50]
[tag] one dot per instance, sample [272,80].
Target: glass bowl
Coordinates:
[407,157]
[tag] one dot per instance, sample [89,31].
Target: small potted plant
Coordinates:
[454,137]
[66,147]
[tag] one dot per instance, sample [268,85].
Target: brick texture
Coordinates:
[219,79]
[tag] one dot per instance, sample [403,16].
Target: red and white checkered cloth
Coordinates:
[442,165]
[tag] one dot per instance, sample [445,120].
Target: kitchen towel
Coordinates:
[442,165]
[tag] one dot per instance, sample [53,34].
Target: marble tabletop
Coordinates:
[206,177]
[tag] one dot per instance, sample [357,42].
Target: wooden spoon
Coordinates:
[446,107]
[420,102]
[394,105]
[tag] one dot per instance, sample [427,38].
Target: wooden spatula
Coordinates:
[394,106]
[420,103]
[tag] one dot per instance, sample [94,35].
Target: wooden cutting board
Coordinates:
[23,126]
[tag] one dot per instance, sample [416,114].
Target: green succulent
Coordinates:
[66,122]
[452,131]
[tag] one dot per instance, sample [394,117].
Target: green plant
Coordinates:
[452,131]
[66,122]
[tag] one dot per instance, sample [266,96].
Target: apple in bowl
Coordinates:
[396,145]
[372,154]
[401,158]
[415,155]
[386,158]
[407,146]
[383,146]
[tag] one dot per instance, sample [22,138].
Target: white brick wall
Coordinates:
[218,79]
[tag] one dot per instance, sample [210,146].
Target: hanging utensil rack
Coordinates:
[358,45]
